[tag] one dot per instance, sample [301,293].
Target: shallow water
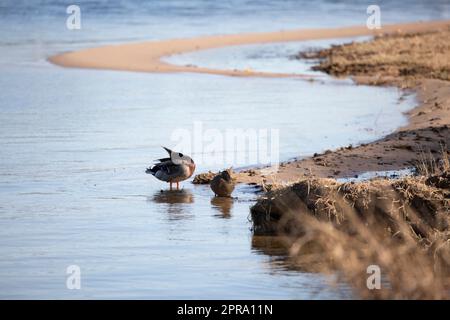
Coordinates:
[74,191]
[273,57]
[75,145]
[388,174]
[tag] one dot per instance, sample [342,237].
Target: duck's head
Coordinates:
[182,159]
[226,175]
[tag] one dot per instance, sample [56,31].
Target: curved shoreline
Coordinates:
[427,122]
[146,56]
[386,61]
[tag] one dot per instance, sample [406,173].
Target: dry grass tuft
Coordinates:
[429,165]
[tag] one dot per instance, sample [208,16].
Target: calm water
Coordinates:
[75,144]
[273,57]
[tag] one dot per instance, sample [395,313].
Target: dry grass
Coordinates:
[400,225]
[424,55]
[428,165]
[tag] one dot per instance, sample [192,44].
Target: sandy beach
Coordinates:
[146,56]
[421,68]
[427,132]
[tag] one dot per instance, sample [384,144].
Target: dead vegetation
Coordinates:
[400,225]
[403,226]
[206,177]
[410,56]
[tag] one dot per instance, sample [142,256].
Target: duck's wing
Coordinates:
[156,166]
[166,170]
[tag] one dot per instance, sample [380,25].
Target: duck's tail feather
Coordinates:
[162,160]
[168,150]
[151,170]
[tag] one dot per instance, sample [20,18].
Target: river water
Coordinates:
[75,145]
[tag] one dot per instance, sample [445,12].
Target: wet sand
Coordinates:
[427,132]
[416,63]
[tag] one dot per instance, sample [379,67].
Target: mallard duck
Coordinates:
[222,185]
[178,167]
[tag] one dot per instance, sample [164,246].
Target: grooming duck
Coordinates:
[178,167]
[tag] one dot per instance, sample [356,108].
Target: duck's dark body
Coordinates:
[222,184]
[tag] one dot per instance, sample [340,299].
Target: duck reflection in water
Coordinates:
[173,196]
[223,205]
[177,202]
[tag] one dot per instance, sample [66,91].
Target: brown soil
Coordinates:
[402,226]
